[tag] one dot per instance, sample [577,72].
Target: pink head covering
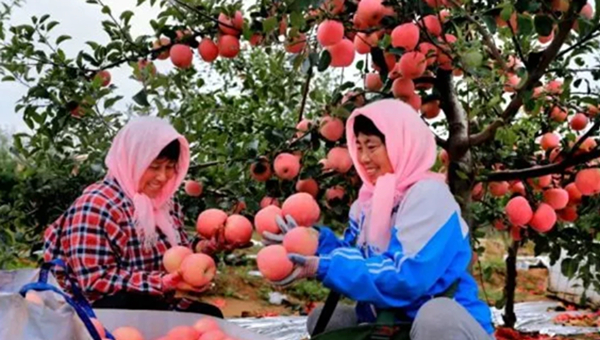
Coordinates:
[411,149]
[134,148]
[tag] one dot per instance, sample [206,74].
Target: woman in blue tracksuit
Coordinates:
[406,242]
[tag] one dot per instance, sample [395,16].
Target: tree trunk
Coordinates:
[460,171]
[509,315]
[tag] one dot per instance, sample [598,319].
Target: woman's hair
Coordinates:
[364,125]
[170,152]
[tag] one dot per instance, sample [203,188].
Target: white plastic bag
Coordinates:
[55,316]
[24,320]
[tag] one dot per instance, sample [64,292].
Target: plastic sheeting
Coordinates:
[538,316]
[532,317]
[279,328]
[571,289]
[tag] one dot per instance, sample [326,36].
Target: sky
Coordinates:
[82,21]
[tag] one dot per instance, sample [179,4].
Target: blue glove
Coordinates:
[306,267]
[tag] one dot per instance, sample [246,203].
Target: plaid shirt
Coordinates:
[96,237]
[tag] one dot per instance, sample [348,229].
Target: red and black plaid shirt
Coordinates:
[96,237]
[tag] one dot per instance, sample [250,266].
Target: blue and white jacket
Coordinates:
[429,250]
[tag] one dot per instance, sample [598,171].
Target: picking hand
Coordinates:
[306,267]
[170,281]
[218,243]
[184,287]
[284,225]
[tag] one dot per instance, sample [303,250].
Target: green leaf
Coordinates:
[247,32]
[347,85]
[473,59]
[324,61]
[51,25]
[8,78]
[385,42]
[141,98]
[126,16]
[501,302]
[62,38]
[301,5]
[487,273]
[568,267]
[360,64]
[298,60]
[490,22]
[462,174]
[525,24]
[297,19]
[44,18]
[543,25]
[269,24]
[527,6]
[507,11]
[111,101]
[105,9]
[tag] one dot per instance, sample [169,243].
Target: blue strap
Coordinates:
[77,294]
[78,302]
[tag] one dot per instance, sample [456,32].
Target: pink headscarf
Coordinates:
[134,148]
[411,149]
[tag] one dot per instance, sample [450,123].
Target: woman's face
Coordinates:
[372,156]
[159,173]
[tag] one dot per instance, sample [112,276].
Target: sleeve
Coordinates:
[94,244]
[328,240]
[424,244]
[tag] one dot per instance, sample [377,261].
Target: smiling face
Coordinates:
[156,176]
[373,156]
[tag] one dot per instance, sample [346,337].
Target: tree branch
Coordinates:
[467,72]
[201,14]
[487,38]
[517,44]
[455,114]
[582,139]
[574,70]
[513,107]
[305,94]
[124,34]
[587,37]
[540,170]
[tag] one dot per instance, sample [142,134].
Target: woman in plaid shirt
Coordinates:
[114,235]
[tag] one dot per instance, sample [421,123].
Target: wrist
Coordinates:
[312,265]
[169,282]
